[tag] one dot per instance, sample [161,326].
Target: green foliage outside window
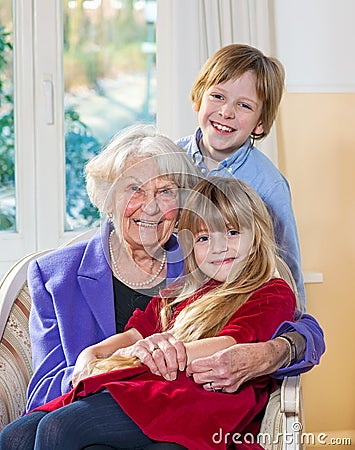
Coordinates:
[7,135]
[80,144]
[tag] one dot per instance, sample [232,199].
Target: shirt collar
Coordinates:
[231,163]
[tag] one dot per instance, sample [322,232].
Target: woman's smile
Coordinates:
[147,223]
[147,205]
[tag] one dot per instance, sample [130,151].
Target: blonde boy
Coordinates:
[236,96]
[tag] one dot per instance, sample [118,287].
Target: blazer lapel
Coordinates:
[95,280]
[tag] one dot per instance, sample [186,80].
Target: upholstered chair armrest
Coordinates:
[15,360]
[292,409]
[282,416]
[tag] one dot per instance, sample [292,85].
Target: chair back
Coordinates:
[15,347]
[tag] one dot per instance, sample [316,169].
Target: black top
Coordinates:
[128,299]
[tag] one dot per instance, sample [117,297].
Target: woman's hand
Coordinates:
[161,353]
[228,369]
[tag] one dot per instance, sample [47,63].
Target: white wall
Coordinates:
[314,39]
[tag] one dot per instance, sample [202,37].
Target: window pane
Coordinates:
[109,73]
[7,135]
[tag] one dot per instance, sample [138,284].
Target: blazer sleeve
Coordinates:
[315,344]
[52,375]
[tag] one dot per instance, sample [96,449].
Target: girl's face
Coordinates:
[146,206]
[228,114]
[217,252]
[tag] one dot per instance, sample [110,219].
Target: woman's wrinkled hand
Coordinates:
[228,369]
[161,353]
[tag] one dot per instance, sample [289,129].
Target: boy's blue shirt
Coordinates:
[254,168]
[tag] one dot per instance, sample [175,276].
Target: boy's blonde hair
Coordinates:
[232,61]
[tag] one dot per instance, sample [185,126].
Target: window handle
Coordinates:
[48,97]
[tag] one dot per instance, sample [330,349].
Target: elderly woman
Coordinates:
[86,292]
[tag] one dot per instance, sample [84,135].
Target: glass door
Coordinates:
[109,83]
[17,195]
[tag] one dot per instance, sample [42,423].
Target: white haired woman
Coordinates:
[86,292]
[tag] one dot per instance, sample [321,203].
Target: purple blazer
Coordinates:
[72,308]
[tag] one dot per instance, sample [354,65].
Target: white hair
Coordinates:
[132,144]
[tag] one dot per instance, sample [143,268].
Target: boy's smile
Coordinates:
[228,114]
[222,128]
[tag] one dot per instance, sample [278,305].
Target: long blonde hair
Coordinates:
[212,204]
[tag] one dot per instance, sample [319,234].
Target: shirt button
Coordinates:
[203,170]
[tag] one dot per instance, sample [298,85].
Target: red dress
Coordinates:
[182,411]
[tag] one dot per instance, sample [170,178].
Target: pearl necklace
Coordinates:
[118,274]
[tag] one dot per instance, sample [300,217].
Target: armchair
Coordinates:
[281,424]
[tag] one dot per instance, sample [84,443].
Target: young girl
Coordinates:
[232,293]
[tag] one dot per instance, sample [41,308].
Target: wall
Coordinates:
[317,154]
[316,143]
[314,39]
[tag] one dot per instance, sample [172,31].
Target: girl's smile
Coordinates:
[217,252]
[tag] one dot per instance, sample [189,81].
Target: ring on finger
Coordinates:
[212,387]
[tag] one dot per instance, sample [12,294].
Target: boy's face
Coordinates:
[228,114]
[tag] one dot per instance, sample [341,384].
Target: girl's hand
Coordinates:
[161,353]
[104,349]
[81,366]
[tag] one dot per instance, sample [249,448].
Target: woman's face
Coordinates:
[147,205]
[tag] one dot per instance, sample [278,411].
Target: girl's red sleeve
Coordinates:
[258,318]
[147,321]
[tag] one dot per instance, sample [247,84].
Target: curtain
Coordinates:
[188,32]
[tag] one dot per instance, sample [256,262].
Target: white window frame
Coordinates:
[49,129]
[39,128]
[39,136]
[16,244]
